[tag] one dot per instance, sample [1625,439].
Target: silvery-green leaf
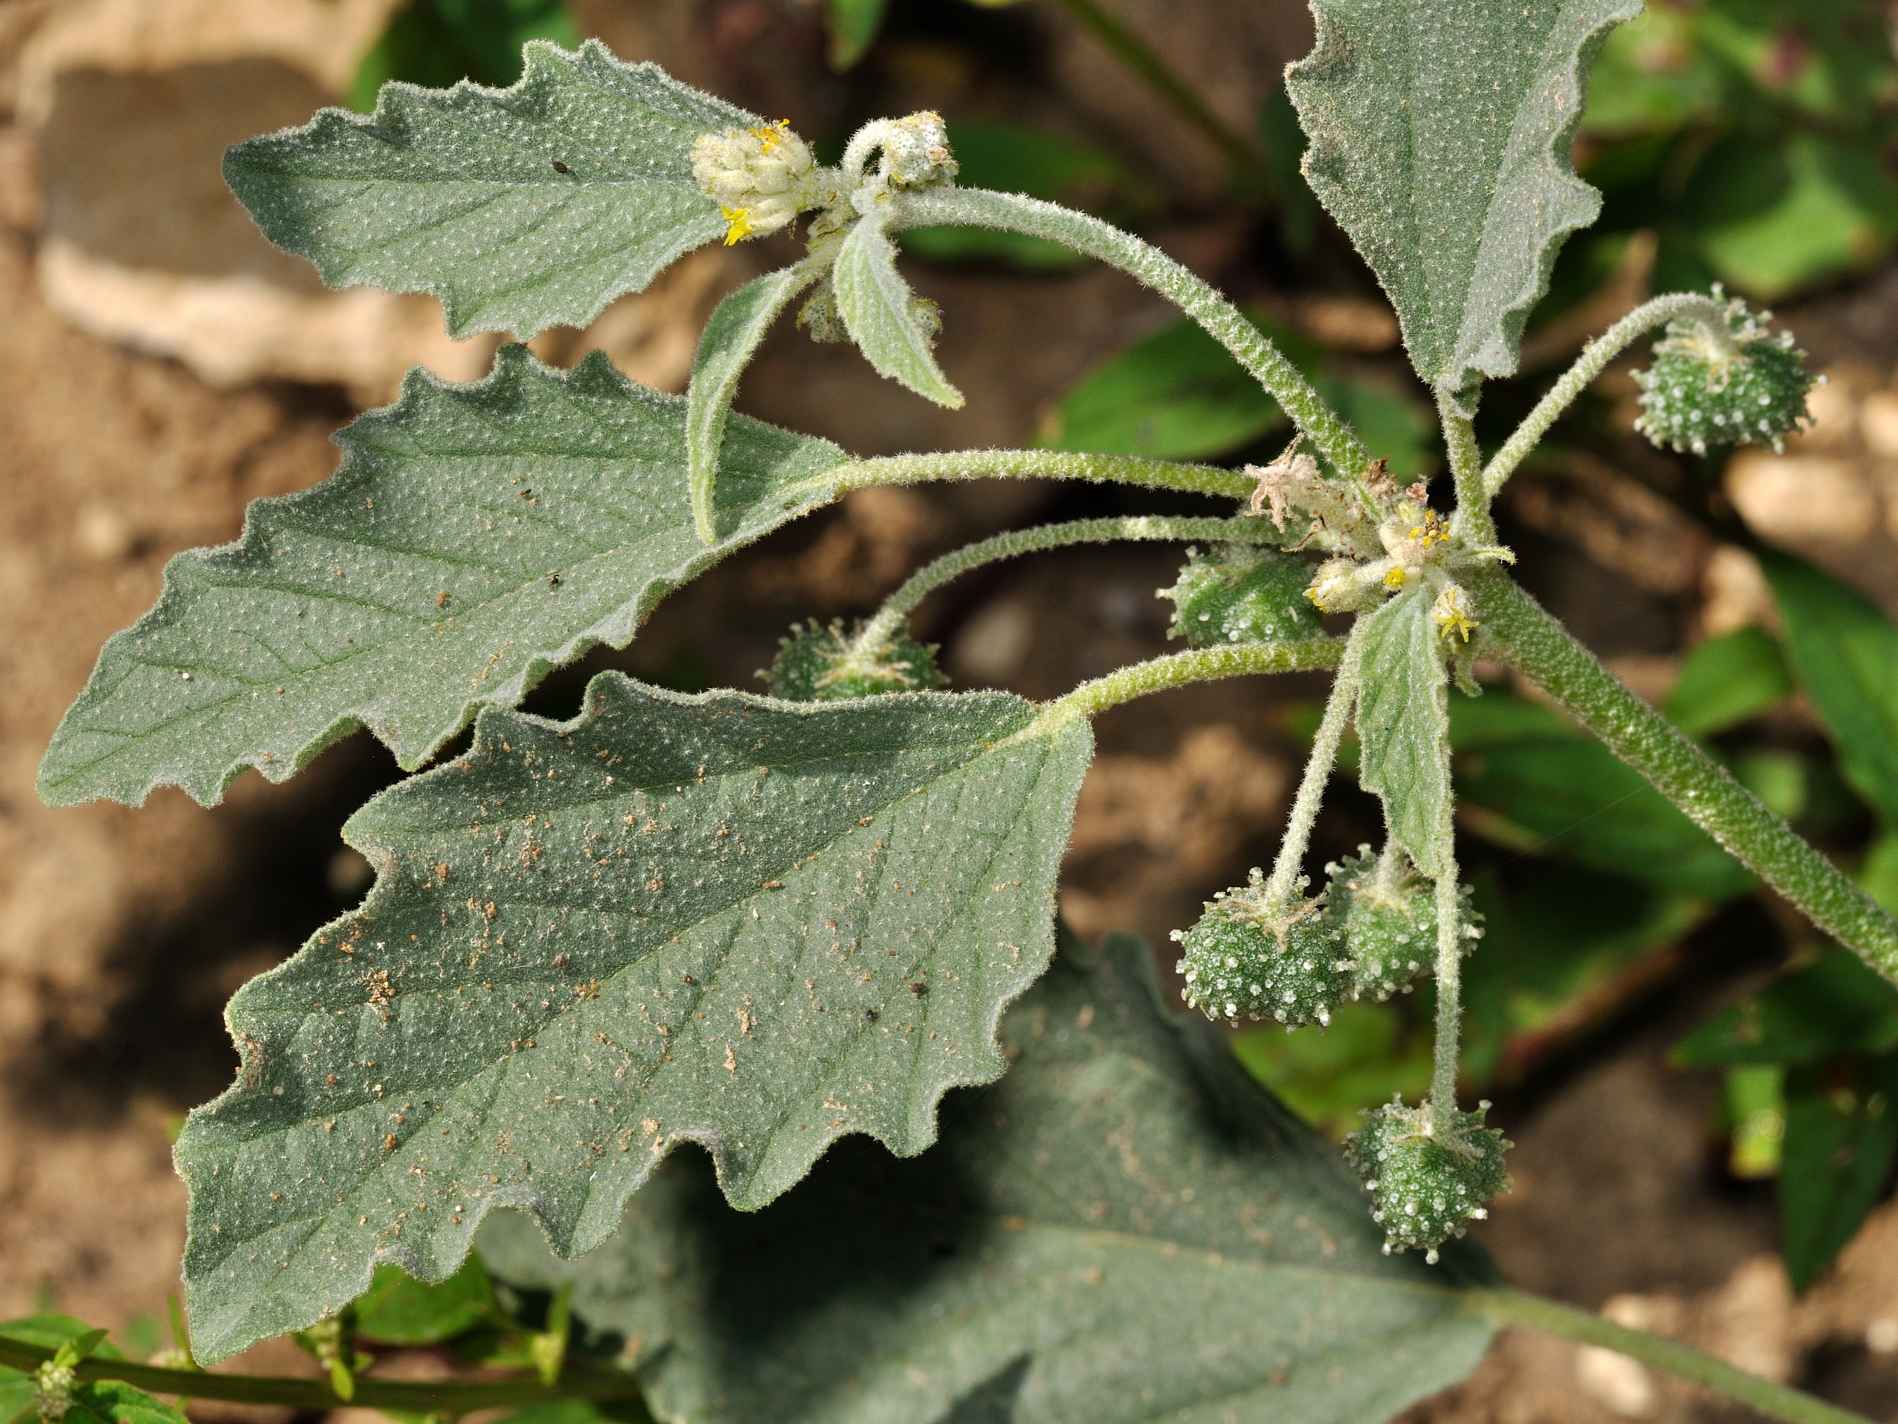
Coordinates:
[473,538]
[1404,726]
[726,346]
[519,208]
[726,920]
[1440,134]
[880,312]
[1125,1230]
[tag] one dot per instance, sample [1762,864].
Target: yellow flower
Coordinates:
[737,224]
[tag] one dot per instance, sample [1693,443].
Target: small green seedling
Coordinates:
[760,923]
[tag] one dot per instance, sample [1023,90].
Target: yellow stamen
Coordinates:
[771,135]
[1452,621]
[737,224]
[1394,578]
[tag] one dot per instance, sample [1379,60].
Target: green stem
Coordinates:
[1775,1401]
[955,465]
[1283,885]
[1528,637]
[1473,519]
[898,606]
[1443,1064]
[1225,323]
[1248,163]
[1184,669]
[417,1397]
[1590,364]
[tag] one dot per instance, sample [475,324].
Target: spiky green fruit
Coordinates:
[822,663]
[1386,916]
[1710,388]
[1425,1189]
[1250,956]
[1241,594]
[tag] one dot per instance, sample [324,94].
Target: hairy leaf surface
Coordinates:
[1126,1228]
[1404,727]
[719,919]
[726,346]
[1440,134]
[881,313]
[519,208]
[474,537]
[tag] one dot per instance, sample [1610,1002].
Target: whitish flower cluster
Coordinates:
[1716,383]
[760,178]
[53,1389]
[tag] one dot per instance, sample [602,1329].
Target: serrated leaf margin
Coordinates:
[490,728]
[1496,354]
[511,362]
[537,55]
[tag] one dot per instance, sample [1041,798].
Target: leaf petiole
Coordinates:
[1224,322]
[898,606]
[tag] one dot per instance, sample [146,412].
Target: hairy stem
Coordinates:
[1026,465]
[1774,1401]
[1012,212]
[1248,164]
[898,606]
[1283,885]
[416,1397]
[1590,364]
[1184,669]
[1534,642]
[1443,1064]
[1473,519]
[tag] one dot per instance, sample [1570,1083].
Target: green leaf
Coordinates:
[726,346]
[1178,395]
[400,1310]
[474,537]
[1726,680]
[1126,1228]
[1528,780]
[883,316]
[1330,1079]
[436,42]
[93,1401]
[1833,1006]
[456,192]
[1845,652]
[1174,395]
[1773,219]
[1440,136]
[1568,932]
[1879,874]
[1404,727]
[1841,1139]
[1753,1108]
[853,26]
[718,919]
